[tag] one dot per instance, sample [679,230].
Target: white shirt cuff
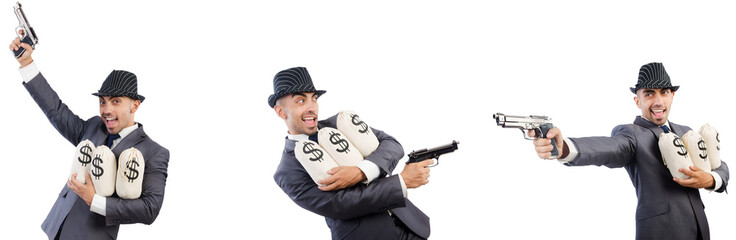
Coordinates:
[29,72]
[370,170]
[98,205]
[572,154]
[718,180]
[403,187]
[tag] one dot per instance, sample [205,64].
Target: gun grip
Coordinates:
[545,128]
[22,50]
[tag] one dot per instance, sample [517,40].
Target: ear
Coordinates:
[134,106]
[636,99]
[280,111]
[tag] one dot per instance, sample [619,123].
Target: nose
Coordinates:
[312,105]
[105,109]
[658,99]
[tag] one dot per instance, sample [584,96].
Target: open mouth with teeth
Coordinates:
[110,122]
[658,113]
[310,121]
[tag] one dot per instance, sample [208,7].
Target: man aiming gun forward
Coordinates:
[667,208]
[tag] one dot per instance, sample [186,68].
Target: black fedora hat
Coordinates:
[120,83]
[292,80]
[653,75]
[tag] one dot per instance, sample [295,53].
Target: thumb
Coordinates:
[89,178]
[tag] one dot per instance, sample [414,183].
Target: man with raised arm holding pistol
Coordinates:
[668,207]
[358,202]
[80,213]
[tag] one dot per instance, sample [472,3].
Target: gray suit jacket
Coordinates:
[665,210]
[360,211]
[79,221]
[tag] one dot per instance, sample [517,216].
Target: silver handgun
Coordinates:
[28,35]
[539,124]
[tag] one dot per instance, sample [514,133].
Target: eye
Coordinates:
[116,101]
[300,101]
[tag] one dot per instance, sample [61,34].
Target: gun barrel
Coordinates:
[421,155]
[511,121]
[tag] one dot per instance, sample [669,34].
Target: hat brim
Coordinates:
[673,88]
[133,96]
[272,99]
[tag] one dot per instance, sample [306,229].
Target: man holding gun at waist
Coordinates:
[668,208]
[352,208]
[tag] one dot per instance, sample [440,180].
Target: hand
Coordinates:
[416,174]
[24,59]
[84,191]
[543,146]
[342,177]
[698,178]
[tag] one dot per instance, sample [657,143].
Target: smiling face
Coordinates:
[299,111]
[654,103]
[118,112]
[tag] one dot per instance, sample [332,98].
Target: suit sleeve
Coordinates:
[723,172]
[615,151]
[61,117]
[388,153]
[144,209]
[359,200]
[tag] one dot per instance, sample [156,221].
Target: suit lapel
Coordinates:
[656,130]
[134,138]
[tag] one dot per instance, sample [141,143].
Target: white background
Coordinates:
[426,72]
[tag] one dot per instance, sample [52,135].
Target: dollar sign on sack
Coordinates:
[308,148]
[131,165]
[86,157]
[358,122]
[719,141]
[703,149]
[98,171]
[678,143]
[336,140]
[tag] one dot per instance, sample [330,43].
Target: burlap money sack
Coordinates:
[82,160]
[314,159]
[129,182]
[712,140]
[695,145]
[339,147]
[359,133]
[674,154]
[103,170]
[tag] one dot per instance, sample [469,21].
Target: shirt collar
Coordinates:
[123,133]
[297,137]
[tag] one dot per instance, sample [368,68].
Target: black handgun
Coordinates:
[424,154]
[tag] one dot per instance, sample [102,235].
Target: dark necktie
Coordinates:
[313,137]
[665,128]
[110,138]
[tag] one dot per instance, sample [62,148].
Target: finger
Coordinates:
[427,162]
[687,172]
[542,142]
[328,187]
[552,133]
[531,133]
[333,170]
[695,169]
[26,46]
[544,149]
[685,182]
[327,181]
